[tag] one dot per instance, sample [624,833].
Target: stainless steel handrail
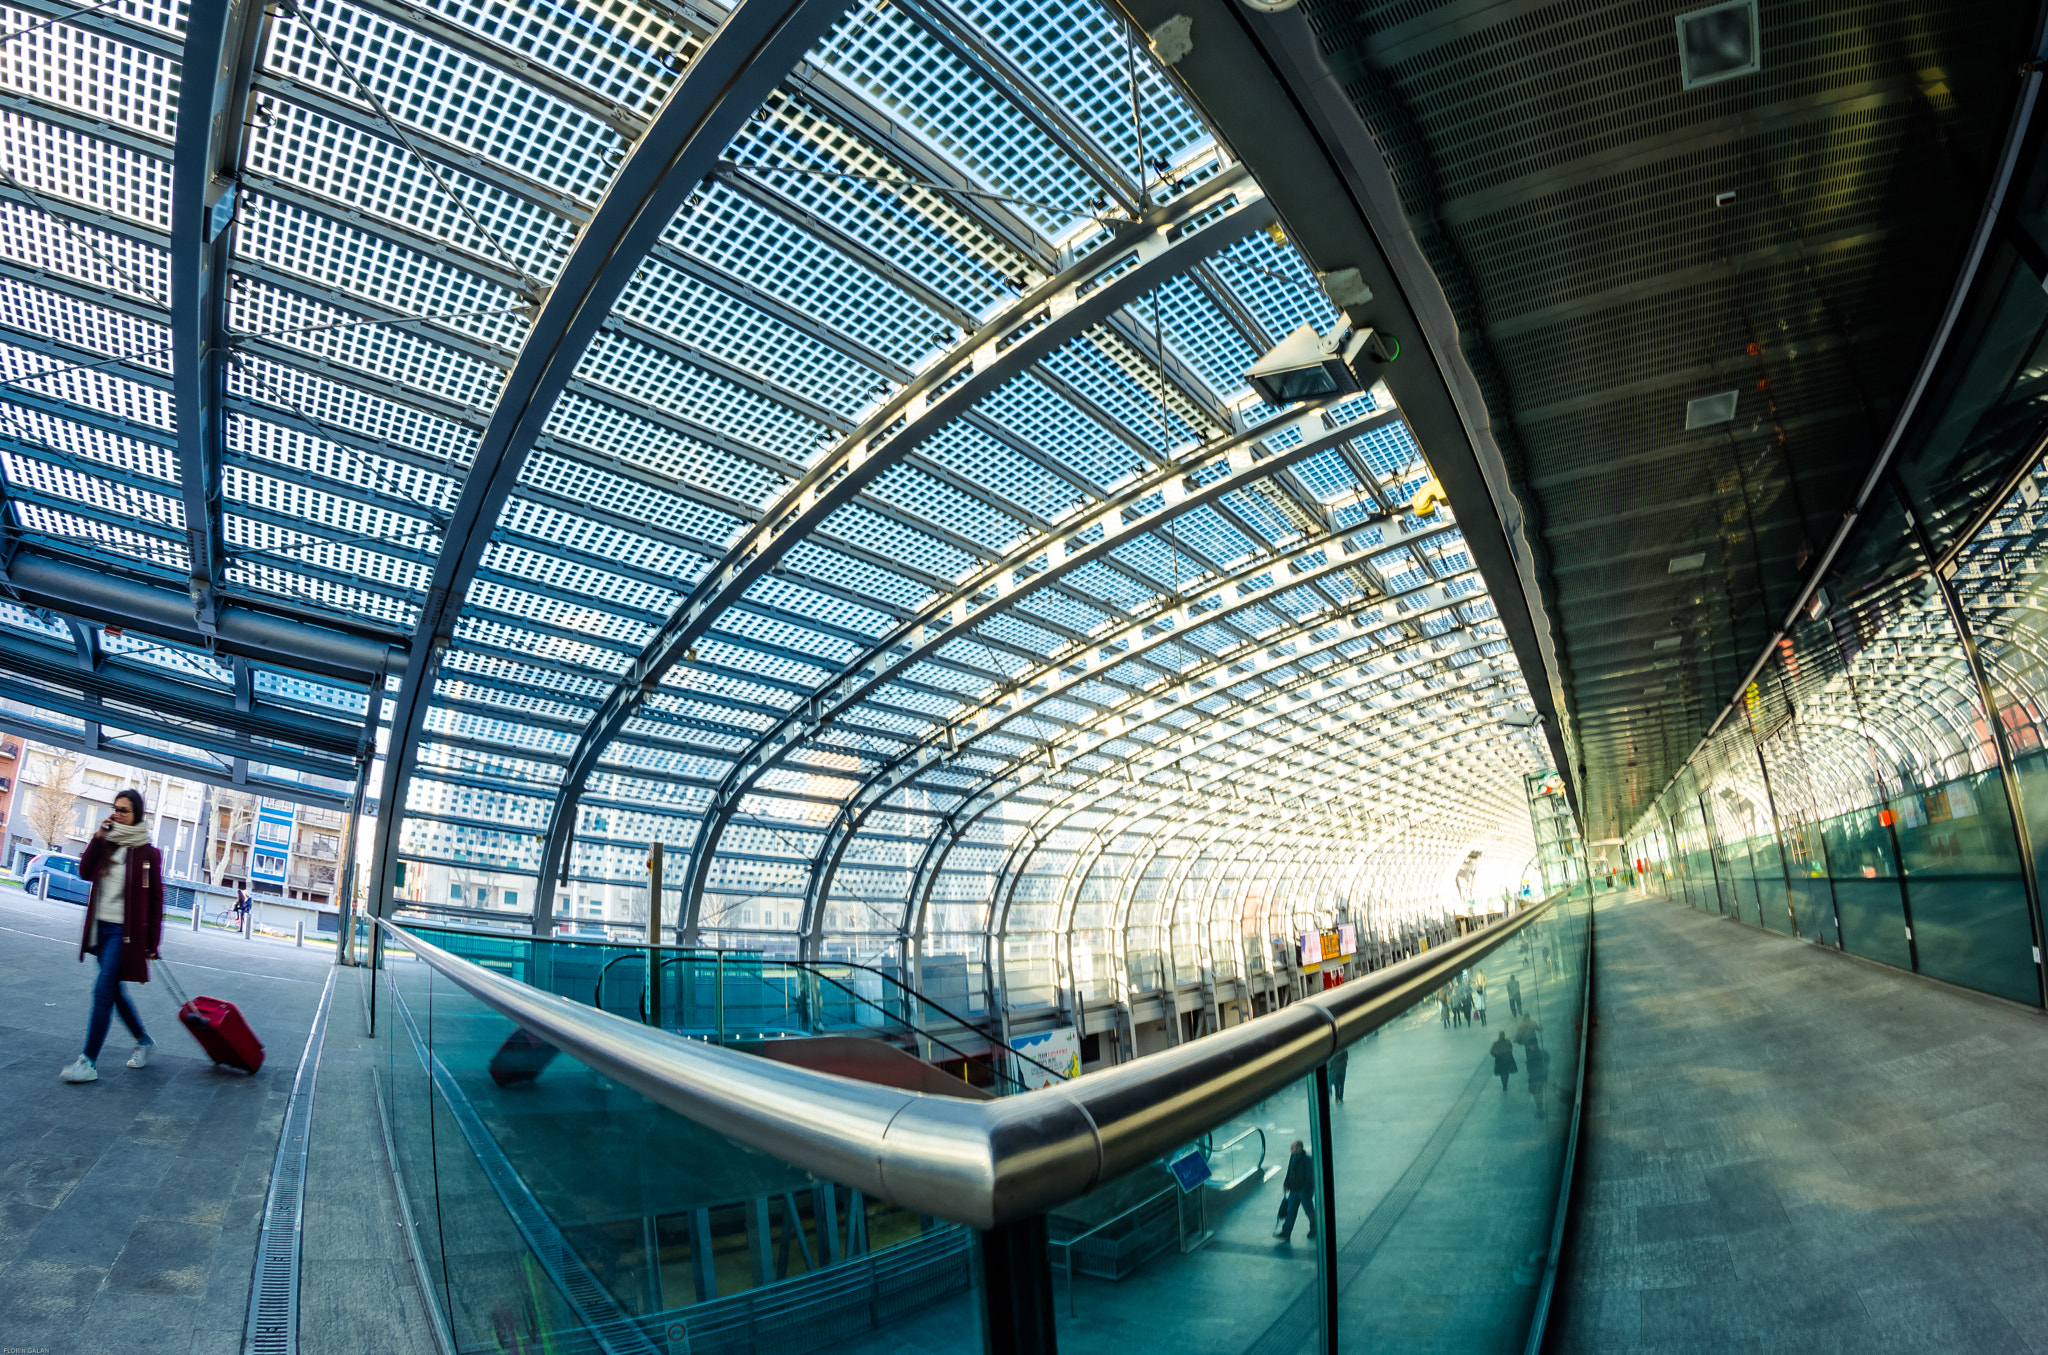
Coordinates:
[978,1163]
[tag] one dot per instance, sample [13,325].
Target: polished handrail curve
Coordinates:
[978,1163]
[815,968]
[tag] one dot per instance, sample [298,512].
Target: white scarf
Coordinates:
[129,835]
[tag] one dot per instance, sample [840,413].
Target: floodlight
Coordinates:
[1308,366]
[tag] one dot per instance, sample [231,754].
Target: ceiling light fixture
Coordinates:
[1718,43]
[1709,410]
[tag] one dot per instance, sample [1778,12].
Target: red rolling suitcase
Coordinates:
[218,1026]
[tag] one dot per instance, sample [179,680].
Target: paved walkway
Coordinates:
[129,1207]
[1790,1150]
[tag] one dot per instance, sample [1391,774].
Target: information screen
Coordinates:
[1191,1170]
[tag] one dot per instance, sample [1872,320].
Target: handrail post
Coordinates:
[1016,1288]
[654,935]
[1325,1204]
[718,994]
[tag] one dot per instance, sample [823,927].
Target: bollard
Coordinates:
[249,924]
[300,940]
[197,909]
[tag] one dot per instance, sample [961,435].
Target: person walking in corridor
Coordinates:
[1479,1002]
[1514,996]
[1338,1067]
[1503,1051]
[123,921]
[1299,1189]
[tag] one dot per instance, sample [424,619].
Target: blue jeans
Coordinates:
[108,996]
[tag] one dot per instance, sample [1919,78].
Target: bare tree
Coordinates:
[241,812]
[56,802]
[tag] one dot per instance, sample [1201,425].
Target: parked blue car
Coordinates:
[51,876]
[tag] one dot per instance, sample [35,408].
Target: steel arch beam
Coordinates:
[1147,253]
[222,38]
[760,42]
[843,836]
[972,810]
[996,588]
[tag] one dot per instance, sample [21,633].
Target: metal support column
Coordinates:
[1016,1289]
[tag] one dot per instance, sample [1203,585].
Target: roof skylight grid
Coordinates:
[434,372]
[112,261]
[61,162]
[789,296]
[874,50]
[373,179]
[424,84]
[799,156]
[92,330]
[332,254]
[628,54]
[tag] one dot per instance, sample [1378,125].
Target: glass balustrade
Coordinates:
[1403,1196]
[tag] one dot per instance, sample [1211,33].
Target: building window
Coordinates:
[511,898]
[455,893]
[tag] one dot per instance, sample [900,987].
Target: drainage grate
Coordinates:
[273,1327]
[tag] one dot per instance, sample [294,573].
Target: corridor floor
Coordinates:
[1789,1150]
[130,1207]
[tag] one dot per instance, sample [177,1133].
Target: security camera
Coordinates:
[1308,366]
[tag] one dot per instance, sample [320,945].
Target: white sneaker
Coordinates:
[140,1056]
[81,1070]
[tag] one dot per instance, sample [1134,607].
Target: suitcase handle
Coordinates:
[171,983]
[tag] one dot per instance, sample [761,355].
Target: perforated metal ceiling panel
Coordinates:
[1615,246]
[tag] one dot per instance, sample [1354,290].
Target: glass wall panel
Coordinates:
[552,1202]
[1969,905]
[1813,896]
[1224,1267]
[1448,1144]
[1868,897]
[1768,863]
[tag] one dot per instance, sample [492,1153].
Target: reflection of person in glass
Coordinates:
[1338,1067]
[1537,1060]
[1514,996]
[1298,1186]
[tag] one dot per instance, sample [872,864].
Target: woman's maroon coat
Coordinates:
[142,905]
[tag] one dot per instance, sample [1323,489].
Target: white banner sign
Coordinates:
[1058,1050]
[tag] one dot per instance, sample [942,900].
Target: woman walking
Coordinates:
[1503,1051]
[123,921]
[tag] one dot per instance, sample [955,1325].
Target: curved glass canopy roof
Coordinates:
[813,438]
